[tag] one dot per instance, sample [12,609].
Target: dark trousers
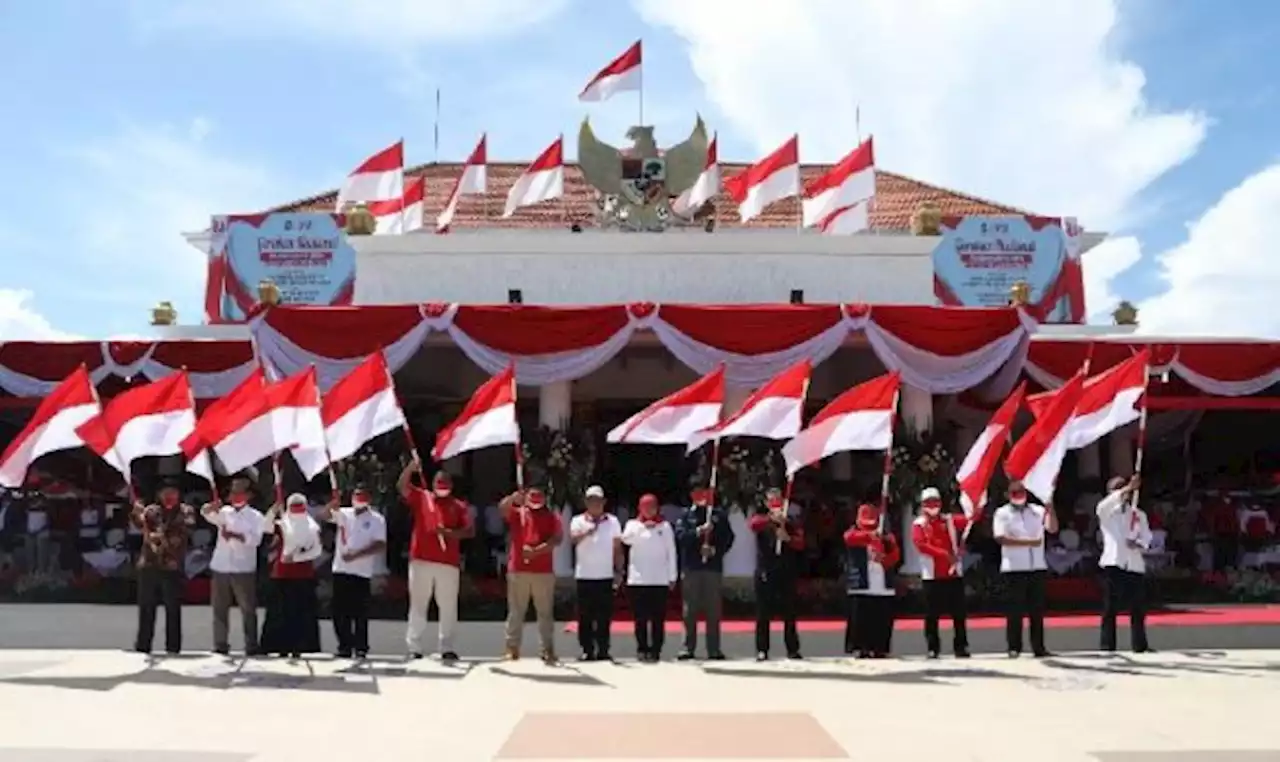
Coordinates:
[868,630]
[158,587]
[649,607]
[945,596]
[595,616]
[1026,599]
[351,612]
[291,626]
[776,599]
[1124,589]
[700,594]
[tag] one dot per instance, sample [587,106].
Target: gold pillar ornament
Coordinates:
[1020,294]
[268,293]
[360,221]
[1125,314]
[927,219]
[164,314]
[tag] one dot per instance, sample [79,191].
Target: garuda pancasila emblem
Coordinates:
[637,185]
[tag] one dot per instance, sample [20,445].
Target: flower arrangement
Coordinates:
[562,462]
[747,468]
[1252,585]
[376,474]
[920,460]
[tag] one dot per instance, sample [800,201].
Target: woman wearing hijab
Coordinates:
[292,627]
[873,553]
[651,572]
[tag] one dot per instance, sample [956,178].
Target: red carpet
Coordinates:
[1225,616]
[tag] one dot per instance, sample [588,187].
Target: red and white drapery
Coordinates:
[1236,369]
[32,369]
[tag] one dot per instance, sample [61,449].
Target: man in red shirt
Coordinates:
[440,522]
[534,532]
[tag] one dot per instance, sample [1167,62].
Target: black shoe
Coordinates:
[173,651]
[415,656]
[684,656]
[141,650]
[343,653]
[849,650]
[362,655]
[864,655]
[586,656]
[448,657]
[1042,654]
[222,650]
[931,655]
[1108,649]
[962,653]
[762,656]
[604,656]
[295,655]
[1014,653]
[717,656]
[795,656]
[1145,650]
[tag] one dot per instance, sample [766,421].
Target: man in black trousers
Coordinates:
[1126,535]
[779,543]
[703,537]
[165,526]
[1020,528]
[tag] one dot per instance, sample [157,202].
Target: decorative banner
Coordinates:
[305,254]
[981,258]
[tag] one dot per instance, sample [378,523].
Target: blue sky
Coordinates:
[132,121]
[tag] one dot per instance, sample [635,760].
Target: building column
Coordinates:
[915,409]
[734,397]
[1122,454]
[555,405]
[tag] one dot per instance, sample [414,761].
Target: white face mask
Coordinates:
[442,492]
[360,505]
[932,510]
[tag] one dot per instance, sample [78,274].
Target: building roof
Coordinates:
[897,198]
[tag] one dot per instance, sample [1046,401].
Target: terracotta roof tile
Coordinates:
[897,198]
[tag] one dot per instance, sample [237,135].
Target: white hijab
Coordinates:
[300,534]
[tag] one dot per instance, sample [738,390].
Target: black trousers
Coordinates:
[869,628]
[1124,590]
[595,615]
[1025,600]
[945,596]
[157,587]
[776,599]
[351,612]
[291,626]
[649,607]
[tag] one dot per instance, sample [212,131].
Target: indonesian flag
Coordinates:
[542,181]
[488,419]
[472,181]
[859,419]
[52,428]
[847,183]
[705,188]
[851,219]
[401,215]
[149,421]
[1037,457]
[676,417]
[979,463]
[773,178]
[1109,401]
[379,178]
[361,406]
[773,412]
[622,75]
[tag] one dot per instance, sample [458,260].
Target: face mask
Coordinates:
[169,501]
[775,505]
[1018,498]
[442,492]
[238,499]
[536,502]
[300,508]
[360,505]
[932,507]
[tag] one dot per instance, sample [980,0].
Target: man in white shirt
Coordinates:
[1125,536]
[597,550]
[362,537]
[235,565]
[1020,529]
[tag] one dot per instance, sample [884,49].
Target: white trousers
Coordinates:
[427,580]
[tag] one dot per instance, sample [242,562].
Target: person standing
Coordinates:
[235,566]
[652,570]
[779,543]
[440,522]
[165,526]
[940,539]
[292,626]
[703,537]
[362,537]
[1020,529]
[1125,536]
[597,539]
[872,556]
[535,532]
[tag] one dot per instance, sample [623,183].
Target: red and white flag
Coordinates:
[542,181]
[1109,401]
[705,188]
[401,215]
[148,421]
[859,419]
[473,181]
[379,178]
[1036,458]
[361,406]
[773,412]
[773,178]
[622,75]
[52,428]
[979,463]
[676,417]
[489,419]
[848,220]
[850,181]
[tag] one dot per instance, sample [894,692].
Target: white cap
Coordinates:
[595,490]
[296,498]
[930,493]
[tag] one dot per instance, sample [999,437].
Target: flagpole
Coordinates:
[333,477]
[791,478]
[275,457]
[641,91]
[715,471]
[402,190]
[799,194]
[408,433]
[435,138]
[191,395]
[1142,432]
[519,443]
[888,460]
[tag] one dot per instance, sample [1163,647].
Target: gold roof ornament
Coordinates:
[1125,314]
[1020,294]
[360,221]
[268,293]
[164,314]
[927,219]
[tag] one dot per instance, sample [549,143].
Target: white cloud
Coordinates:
[1025,103]
[19,320]
[1102,264]
[383,24]
[1223,279]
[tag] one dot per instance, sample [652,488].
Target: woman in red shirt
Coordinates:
[292,625]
